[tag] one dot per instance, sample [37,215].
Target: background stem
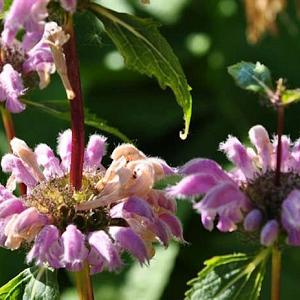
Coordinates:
[7,124]
[84,288]
[76,106]
[276,272]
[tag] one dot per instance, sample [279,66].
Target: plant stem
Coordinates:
[276,272]
[76,106]
[280,128]
[83,283]
[10,134]
[7,124]
[83,279]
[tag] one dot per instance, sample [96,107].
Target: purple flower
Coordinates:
[247,193]
[11,88]
[253,220]
[29,15]
[290,217]
[226,201]
[269,233]
[116,210]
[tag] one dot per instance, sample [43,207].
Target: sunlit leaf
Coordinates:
[149,283]
[32,284]
[236,276]
[167,181]
[60,109]
[252,77]
[290,96]
[145,50]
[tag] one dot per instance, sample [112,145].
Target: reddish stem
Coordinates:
[10,134]
[76,106]
[280,128]
[84,284]
[8,124]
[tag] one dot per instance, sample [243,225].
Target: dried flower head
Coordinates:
[116,209]
[248,193]
[261,17]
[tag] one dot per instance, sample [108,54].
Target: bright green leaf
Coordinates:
[290,96]
[31,284]
[252,77]
[230,277]
[148,283]
[60,109]
[145,50]
[167,181]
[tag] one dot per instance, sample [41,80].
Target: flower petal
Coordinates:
[192,185]
[269,233]
[205,166]
[127,239]
[105,247]
[75,251]
[238,154]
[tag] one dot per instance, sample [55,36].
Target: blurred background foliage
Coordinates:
[207,36]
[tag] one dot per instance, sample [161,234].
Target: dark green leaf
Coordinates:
[252,77]
[230,277]
[167,181]
[145,50]
[290,96]
[60,109]
[31,284]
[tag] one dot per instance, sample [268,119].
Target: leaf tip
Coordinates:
[183,134]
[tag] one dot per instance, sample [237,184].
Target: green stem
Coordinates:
[276,272]
[84,284]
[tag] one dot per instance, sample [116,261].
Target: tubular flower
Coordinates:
[116,210]
[29,15]
[247,194]
[40,50]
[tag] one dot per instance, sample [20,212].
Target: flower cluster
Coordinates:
[33,53]
[248,193]
[117,209]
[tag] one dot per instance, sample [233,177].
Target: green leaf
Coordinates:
[167,181]
[149,283]
[290,96]
[60,109]
[230,277]
[145,50]
[252,77]
[32,284]
[6,7]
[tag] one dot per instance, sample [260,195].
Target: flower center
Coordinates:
[267,196]
[58,200]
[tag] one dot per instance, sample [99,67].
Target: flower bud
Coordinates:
[253,220]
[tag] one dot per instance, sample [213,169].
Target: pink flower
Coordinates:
[11,88]
[116,210]
[247,193]
[29,15]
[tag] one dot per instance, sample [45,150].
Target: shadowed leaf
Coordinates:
[145,50]
[236,276]
[60,109]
